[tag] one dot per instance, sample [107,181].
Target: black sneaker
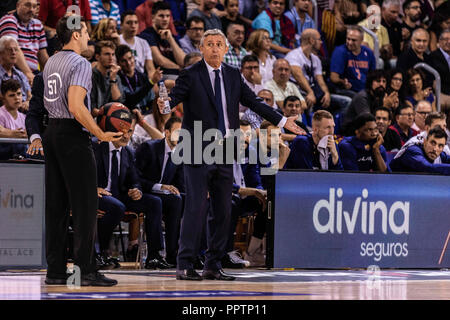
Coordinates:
[199,263]
[158,263]
[96,279]
[114,262]
[228,263]
[103,262]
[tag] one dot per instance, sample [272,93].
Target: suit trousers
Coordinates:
[71,183]
[172,209]
[199,180]
[114,212]
[115,209]
[151,206]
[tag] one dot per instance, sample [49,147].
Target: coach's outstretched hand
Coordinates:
[293,127]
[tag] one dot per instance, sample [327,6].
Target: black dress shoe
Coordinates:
[217,275]
[56,279]
[96,279]
[158,263]
[188,274]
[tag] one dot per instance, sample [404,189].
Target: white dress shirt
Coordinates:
[157,186]
[212,77]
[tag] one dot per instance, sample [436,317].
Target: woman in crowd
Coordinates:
[106,29]
[394,89]
[259,44]
[416,92]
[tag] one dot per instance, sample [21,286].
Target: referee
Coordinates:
[70,170]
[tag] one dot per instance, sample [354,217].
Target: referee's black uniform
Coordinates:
[70,170]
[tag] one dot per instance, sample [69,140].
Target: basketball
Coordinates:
[114,117]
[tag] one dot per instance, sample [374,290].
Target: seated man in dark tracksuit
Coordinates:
[163,179]
[363,151]
[428,157]
[269,162]
[119,190]
[317,150]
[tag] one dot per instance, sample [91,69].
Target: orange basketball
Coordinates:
[114,117]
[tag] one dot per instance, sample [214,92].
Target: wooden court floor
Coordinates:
[251,284]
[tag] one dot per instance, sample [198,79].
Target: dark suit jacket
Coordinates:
[37,115]
[438,62]
[149,163]
[193,88]
[128,178]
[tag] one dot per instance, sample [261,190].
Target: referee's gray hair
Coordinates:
[390,3]
[214,32]
[4,40]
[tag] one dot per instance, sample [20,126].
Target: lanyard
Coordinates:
[128,81]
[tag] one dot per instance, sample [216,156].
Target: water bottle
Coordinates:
[163,95]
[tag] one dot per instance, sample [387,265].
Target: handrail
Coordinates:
[376,45]
[316,13]
[14,140]
[437,77]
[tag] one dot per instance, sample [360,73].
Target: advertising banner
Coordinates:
[357,220]
[22,215]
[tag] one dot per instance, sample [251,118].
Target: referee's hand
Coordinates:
[110,136]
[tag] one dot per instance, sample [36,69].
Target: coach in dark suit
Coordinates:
[211,92]
[37,117]
[119,190]
[161,177]
[439,60]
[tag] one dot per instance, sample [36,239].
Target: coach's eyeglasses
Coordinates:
[197,29]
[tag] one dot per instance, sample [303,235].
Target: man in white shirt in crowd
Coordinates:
[422,110]
[306,69]
[280,85]
[139,47]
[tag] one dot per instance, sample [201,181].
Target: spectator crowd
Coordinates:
[365,104]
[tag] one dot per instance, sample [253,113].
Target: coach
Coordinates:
[70,171]
[211,91]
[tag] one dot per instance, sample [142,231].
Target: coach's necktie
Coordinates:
[115,174]
[219,107]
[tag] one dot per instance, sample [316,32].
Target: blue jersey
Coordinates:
[304,155]
[414,160]
[351,67]
[357,155]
